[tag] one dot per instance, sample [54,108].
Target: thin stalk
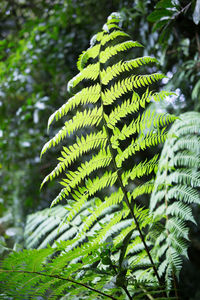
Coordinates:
[130,208]
[127,292]
[123,287]
[61,278]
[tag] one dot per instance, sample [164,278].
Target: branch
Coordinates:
[61,278]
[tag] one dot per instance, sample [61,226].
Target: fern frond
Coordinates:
[148,119]
[185,177]
[185,193]
[102,159]
[109,52]
[73,152]
[192,143]
[126,85]
[186,159]
[42,228]
[90,72]
[113,35]
[145,188]
[144,167]
[111,72]
[91,52]
[182,210]
[86,95]
[112,226]
[175,192]
[143,142]
[53,278]
[91,187]
[110,201]
[147,126]
[178,228]
[80,120]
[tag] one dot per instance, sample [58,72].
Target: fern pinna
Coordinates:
[110,125]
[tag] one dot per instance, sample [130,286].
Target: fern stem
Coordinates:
[121,183]
[130,208]
[127,292]
[123,287]
[61,278]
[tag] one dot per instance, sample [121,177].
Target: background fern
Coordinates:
[176,192]
[48,226]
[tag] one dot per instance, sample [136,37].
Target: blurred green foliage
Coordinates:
[40,42]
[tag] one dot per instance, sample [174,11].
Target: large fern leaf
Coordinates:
[116,92]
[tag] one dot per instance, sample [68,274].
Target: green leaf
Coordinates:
[158,14]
